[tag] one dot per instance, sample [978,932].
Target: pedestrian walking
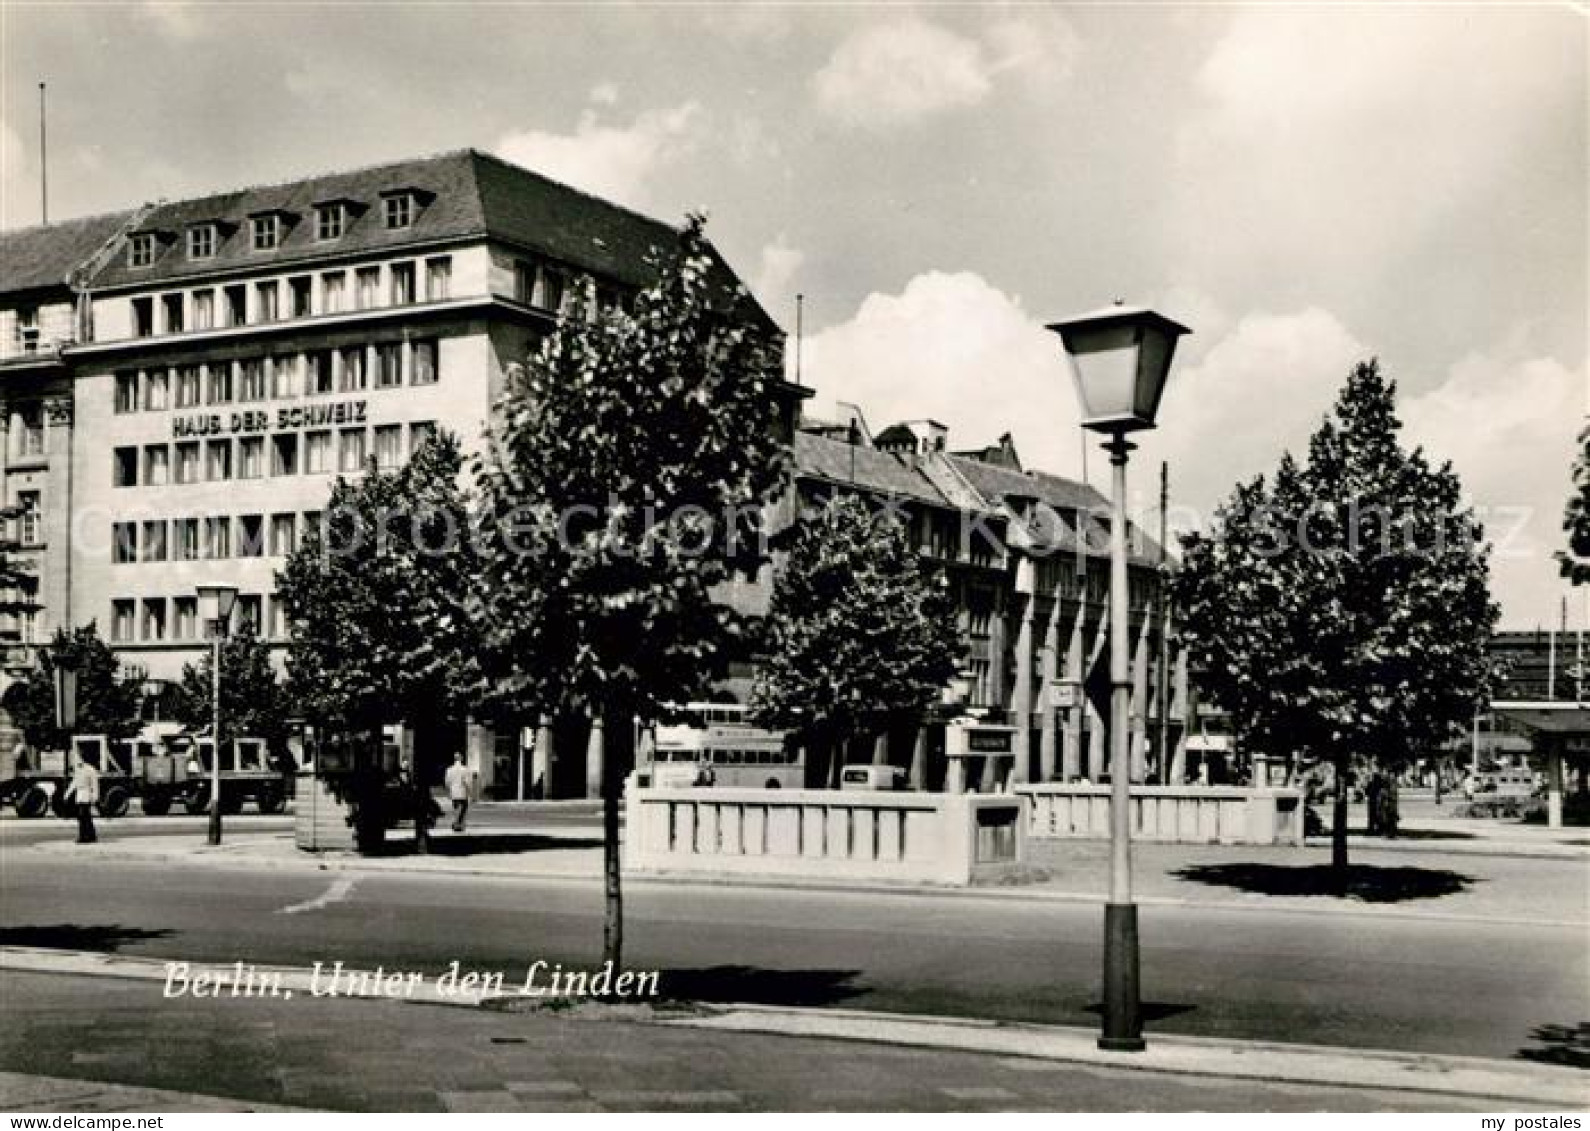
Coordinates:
[458,782]
[84,793]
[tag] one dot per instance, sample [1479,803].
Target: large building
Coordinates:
[181,384]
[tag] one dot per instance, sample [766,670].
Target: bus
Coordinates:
[714,744]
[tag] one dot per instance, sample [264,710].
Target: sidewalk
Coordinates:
[1432,881]
[349,1054]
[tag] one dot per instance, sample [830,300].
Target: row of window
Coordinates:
[156,619]
[272,300]
[350,369]
[267,229]
[209,537]
[316,452]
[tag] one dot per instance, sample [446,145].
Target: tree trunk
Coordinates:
[612,785]
[420,799]
[1339,866]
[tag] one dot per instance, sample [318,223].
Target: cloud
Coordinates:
[19,181]
[1507,420]
[779,265]
[955,348]
[1037,46]
[906,69]
[614,161]
[179,21]
[604,94]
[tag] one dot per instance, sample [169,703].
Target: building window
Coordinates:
[218,460]
[28,525]
[284,534]
[251,457]
[329,221]
[124,542]
[317,452]
[368,282]
[420,434]
[220,390]
[388,446]
[121,620]
[143,310]
[548,292]
[236,305]
[187,386]
[302,289]
[267,232]
[127,392]
[217,537]
[27,330]
[125,467]
[438,278]
[399,210]
[188,462]
[284,454]
[157,465]
[204,309]
[188,539]
[154,618]
[320,375]
[284,376]
[353,377]
[424,371]
[250,536]
[32,416]
[172,306]
[157,389]
[402,283]
[201,241]
[251,380]
[155,549]
[249,611]
[388,365]
[268,304]
[333,285]
[185,612]
[312,525]
[277,628]
[141,251]
[350,450]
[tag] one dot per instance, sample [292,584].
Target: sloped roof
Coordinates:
[45,255]
[823,458]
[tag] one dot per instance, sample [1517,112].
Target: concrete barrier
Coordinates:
[824,834]
[1168,814]
[320,821]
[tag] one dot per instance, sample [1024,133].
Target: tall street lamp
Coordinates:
[1119,360]
[215,607]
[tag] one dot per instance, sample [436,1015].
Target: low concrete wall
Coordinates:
[905,837]
[320,821]
[1168,814]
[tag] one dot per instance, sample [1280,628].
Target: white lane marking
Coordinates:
[336,893]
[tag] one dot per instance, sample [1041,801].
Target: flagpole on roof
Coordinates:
[44,170]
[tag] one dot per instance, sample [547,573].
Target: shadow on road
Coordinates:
[756,986]
[1424,834]
[471,844]
[1567,1045]
[73,936]
[1370,883]
[1150,1010]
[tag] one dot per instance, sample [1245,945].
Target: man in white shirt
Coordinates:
[458,783]
[84,792]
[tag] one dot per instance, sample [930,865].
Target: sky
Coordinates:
[1306,187]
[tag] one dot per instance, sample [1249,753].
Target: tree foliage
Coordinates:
[1341,611]
[623,484]
[253,702]
[1575,560]
[108,695]
[861,629]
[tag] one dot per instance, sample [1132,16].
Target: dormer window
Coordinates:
[201,241]
[399,210]
[267,231]
[141,250]
[330,220]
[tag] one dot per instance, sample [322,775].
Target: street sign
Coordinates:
[1065,693]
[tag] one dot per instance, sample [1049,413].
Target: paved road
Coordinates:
[1357,979]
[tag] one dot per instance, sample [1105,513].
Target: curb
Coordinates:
[234,854]
[1270,1062]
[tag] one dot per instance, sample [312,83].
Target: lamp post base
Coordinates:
[1123,1014]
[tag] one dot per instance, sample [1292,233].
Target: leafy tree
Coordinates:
[623,483]
[861,630]
[1575,560]
[374,596]
[252,699]
[1342,611]
[108,696]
